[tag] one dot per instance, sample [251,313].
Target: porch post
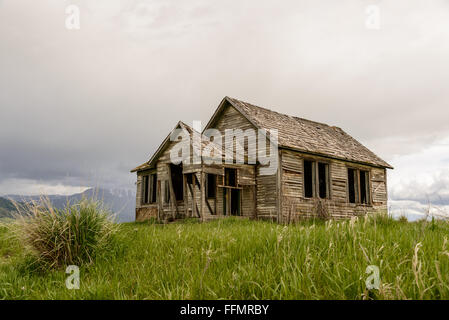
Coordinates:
[202,195]
[186,195]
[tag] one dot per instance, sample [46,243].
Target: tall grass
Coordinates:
[242,259]
[71,236]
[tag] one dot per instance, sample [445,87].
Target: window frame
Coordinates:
[313,164]
[148,194]
[225,169]
[367,186]
[357,181]
[316,180]
[144,189]
[356,186]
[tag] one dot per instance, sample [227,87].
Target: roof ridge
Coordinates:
[283,114]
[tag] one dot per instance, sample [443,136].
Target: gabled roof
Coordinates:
[149,164]
[305,135]
[205,142]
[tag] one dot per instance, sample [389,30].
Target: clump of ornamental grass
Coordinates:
[74,235]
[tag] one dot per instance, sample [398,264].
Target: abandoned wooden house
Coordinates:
[320,171]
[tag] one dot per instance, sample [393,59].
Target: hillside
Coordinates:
[6,208]
[242,259]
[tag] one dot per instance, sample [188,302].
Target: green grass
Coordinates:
[71,236]
[242,259]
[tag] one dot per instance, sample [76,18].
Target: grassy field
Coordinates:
[242,259]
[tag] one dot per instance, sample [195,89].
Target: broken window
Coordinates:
[364,187]
[149,185]
[358,186]
[316,179]
[231,177]
[323,178]
[145,187]
[153,188]
[352,185]
[211,185]
[308,179]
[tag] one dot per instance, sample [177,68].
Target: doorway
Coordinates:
[177,182]
[232,202]
[235,202]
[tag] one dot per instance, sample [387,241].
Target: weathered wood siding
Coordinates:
[267,196]
[232,119]
[295,206]
[162,177]
[146,213]
[246,180]
[139,190]
[266,186]
[143,211]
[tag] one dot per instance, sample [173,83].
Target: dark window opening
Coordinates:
[189,178]
[308,179]
[153,188]
[364,187]
[211,188]
[149,188]
[235,202]
[145,189]
[231,177]
[323,177]
[358,186]
[177,181]
[352,185]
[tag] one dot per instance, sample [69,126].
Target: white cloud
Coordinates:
[421,179]
[27,187]
[415,210]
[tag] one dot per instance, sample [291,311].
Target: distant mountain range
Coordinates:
[121,202]
[6,208]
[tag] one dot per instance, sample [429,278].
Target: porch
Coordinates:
[207,192]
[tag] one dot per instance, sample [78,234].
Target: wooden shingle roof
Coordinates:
[293,133]
[308,136]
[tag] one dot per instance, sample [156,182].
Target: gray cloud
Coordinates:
[91,104]
[436,192]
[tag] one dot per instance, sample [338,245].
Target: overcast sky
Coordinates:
[83,107]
